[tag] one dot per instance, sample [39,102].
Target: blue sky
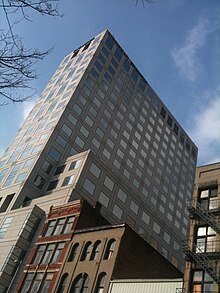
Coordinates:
[174,43]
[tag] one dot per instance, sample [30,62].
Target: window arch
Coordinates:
[95,250]
[73,252]
[109,249]
[80,283]
[62,284]
[86,251]
[99,288]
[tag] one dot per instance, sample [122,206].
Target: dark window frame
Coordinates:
[63,226]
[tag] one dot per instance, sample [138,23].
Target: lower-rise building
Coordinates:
[77,252]
[102,254]
[48,253]
[202,250]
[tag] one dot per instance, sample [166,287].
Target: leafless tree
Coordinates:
[16,61]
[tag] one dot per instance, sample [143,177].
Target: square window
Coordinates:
[134,207]
[81,98]
[120,153]
[126,64]
[89,186]
[72,119]
[117,164]
[75,165]
[122,195]
[142,84]
[118,53]
[163,112]
[46,167]
[89,120]
[68,180]
[61,141]
[66,129]
[145,218]
[126,173]
[95,170]
[156,228]
[167,238]
[109,42]
[109,183]
[52,185]
[117,211]
[54,154]
[59,170]
[94,73]
[106,153]
[176,129]
[84,131]
[96,143]
[39,182]
[103,199]
[79,142]
[97,102]
[72,152]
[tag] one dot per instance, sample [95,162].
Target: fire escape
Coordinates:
[208,261]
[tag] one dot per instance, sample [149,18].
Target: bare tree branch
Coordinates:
[16,61]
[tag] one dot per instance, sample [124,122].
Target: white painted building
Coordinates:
[146,286]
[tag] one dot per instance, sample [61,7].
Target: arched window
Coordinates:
[73,252]
[95,250]
[80,284]
[109,249]
[86,251]
[62,284]
[99,288]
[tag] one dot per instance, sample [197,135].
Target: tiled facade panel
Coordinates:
[121,205]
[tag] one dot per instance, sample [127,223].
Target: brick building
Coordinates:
[202,250]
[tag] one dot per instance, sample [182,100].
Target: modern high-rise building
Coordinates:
[202,270]
[99,132]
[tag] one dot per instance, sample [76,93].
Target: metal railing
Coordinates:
[208,246]
[213,204]
[190,249]
[205,215]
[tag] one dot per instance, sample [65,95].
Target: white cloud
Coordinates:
[186,57]
[205,131]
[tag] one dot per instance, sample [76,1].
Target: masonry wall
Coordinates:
[138,260]
[207,178]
